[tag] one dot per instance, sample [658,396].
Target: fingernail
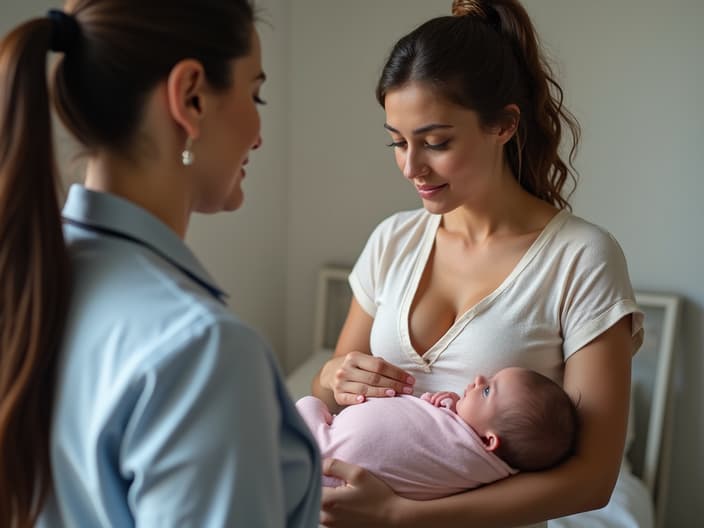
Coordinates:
[410,380]
[360,398]
[390,392]
[408,390]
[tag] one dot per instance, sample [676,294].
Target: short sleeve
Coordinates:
[365,275]
[598,293]
[203,444]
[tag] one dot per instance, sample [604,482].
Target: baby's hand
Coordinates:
[442,399]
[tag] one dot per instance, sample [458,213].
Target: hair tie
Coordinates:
[64,31]
[478,9]
[468,7]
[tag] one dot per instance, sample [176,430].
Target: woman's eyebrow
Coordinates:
[421,130]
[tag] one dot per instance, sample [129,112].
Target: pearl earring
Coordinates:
[187,157]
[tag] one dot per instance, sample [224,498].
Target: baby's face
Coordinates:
[484,398]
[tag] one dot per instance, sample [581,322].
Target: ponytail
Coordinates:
[34,271]
[533,154]
[484,58]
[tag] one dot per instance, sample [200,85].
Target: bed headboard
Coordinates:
[333,297]
[652,396]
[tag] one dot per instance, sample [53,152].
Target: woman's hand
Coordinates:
[363,501]
[353,374]
[357,376]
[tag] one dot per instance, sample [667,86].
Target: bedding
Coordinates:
[630,507]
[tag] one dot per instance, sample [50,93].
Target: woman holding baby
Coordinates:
[493,271]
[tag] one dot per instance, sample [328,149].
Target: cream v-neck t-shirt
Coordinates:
[569,287]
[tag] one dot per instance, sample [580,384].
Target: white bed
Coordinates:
[638,500]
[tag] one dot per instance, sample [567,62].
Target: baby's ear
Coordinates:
[491,441]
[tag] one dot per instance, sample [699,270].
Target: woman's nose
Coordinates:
[414,166]
[257,143]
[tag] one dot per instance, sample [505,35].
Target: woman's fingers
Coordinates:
[367,385]
[376,374]
[349,398]
[363,501]
[342,470]
[384,369]
[371,391]
[354,393]
[361,376]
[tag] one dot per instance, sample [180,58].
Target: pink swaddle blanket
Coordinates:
[421,451]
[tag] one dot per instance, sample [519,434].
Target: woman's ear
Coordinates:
[509,123]
[491,441]
[185,88]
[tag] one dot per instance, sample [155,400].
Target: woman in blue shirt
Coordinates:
[129,394]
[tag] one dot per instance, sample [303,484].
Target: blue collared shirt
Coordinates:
[169,410]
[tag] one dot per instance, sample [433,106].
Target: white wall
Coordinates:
[634,75]
[246,250]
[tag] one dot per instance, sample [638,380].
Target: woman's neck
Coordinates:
[503,212]
[156,189]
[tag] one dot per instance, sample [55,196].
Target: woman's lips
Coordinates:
[429,191]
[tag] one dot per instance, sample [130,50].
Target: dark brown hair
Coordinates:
[484,58]
[120,50]
[542,431]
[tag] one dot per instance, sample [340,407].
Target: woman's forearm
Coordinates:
[579,484]
[516,501]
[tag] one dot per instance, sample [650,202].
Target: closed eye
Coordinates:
[438,146]
[429,146]
[396,144]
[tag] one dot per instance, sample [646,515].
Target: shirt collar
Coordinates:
[111,215]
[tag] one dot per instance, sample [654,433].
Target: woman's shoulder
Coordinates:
[582,237]
[158,312]
[405,223]
[211,342]
[210,325]
[575,224]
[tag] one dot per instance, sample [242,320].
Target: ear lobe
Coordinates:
[185,87]
[491,441]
